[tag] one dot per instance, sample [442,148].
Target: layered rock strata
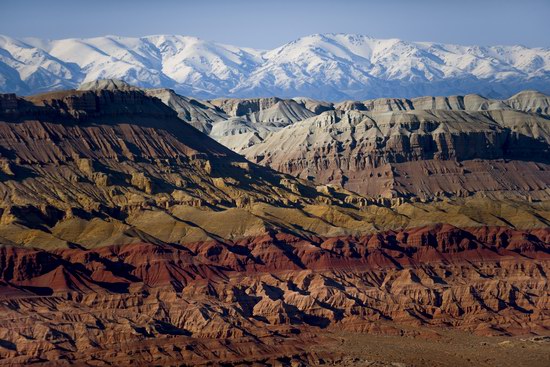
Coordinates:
[266,297]
[423,154]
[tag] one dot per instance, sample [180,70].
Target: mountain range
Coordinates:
[322,66]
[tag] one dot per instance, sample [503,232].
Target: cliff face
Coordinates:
[426,147]
[111,166]
[84,155]
[526,101]
[422,153]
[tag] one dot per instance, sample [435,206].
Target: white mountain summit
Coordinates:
[321,66]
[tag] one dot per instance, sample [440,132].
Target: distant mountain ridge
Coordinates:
[322,66]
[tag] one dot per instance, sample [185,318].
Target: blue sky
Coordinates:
[271,23]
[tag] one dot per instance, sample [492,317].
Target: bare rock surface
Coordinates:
[268,297]
[109,166]
[421,153]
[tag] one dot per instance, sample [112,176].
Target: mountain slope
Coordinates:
[423,147]
[77,161]
[321,66]
[419,148]
[416,153]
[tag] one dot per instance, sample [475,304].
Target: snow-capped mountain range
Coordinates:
[321,66]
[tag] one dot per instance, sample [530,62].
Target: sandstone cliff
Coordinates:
[420,153]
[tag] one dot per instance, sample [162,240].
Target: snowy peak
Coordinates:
[319,66]
[332,46]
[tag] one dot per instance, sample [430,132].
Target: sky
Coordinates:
[267,24]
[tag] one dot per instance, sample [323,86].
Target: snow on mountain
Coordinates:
[321,66]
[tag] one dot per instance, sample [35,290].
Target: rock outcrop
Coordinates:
[109,153]
[426,147]
[420,153]
[526,101]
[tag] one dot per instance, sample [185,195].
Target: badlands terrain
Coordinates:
[142,227]
[418,148]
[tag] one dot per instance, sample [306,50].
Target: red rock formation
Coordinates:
[233,300]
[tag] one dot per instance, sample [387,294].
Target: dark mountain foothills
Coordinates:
[129,236]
